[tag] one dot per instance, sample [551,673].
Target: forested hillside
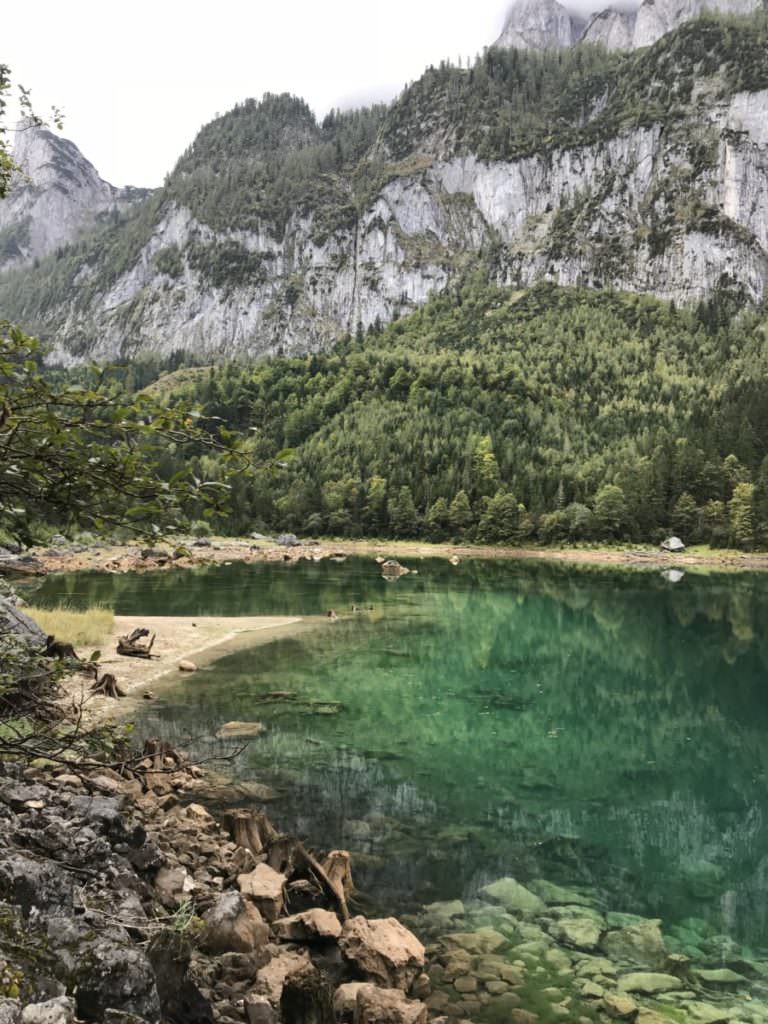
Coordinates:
[551,415]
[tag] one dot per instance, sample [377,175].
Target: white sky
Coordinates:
[136,80]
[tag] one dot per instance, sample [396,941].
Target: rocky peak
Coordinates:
[55,195]
[539,25]
[547,25]
[612,29]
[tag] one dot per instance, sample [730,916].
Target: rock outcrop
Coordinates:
[551,26]
[56,195]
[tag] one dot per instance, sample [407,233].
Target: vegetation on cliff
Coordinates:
[554,414]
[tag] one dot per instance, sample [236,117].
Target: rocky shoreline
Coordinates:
[186,552]
[124,900]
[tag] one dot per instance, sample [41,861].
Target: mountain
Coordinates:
[548,25]
[56,196]
[644,171]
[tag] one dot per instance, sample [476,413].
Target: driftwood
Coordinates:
[284,853]
[131,646]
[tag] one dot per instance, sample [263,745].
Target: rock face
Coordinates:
[56,196]
[539,25]
[383,950]
[549,26]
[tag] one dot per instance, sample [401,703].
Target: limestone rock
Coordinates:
[612,29]
[271,978]
[55,1011]
[513,897]
[539,25]
[706,1013]
[233,729]
[10,1011]
[310,926]
[258,1010]
[265,887]
[579,932]
[620,1007]
[233,925]
[387,1006]
[722,977]
[484,940]
[174,884]
[557,895]
[345,998]
[384,950]
[649,983]
[640,943]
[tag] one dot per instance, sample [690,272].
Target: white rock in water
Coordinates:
[187,666]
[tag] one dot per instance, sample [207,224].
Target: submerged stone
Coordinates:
[556,894]
[638,943]
[722,977]
[581,932]
[649,982]
[513,896]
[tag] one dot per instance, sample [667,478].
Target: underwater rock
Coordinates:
[620,1007]
[514,897]
[580,932]
[722,977]
[484,940]
[554,895]
[442,912]
[649,983]
[230,729]
[640,943]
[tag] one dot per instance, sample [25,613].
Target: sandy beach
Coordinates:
[200,640]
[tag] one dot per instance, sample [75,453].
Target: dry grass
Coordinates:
[89,628]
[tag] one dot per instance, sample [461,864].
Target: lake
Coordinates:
[596,727]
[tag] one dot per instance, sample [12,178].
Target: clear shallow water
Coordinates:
[594,727]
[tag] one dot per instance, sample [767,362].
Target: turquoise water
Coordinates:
[595,727]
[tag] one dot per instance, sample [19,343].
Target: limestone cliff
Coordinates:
[628,179]
[55,196]
[549,25]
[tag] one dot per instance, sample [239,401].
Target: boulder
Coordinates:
[345,998]
[648,983]
[288,540]
[672,544]
[620,1007]
[311,926]
[264,886]
[258,1010]
[484,940]
[29,883]
[513,897]
[233,925]
[579,932]
[24,629]
[55,1011]
[112,973]
[554,895]
[640,943]
[187,666]
[383,950]
[173,885]
[10,1011]
[709,1014]
[387,1006]
[271,978]
[721,977]
[443,911]
[230,729]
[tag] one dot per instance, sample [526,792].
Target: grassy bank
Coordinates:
[89,628]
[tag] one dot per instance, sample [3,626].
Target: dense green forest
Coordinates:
[549,415]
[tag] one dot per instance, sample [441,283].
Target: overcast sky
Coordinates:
[137,80]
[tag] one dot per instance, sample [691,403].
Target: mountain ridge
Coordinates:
[644,171]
